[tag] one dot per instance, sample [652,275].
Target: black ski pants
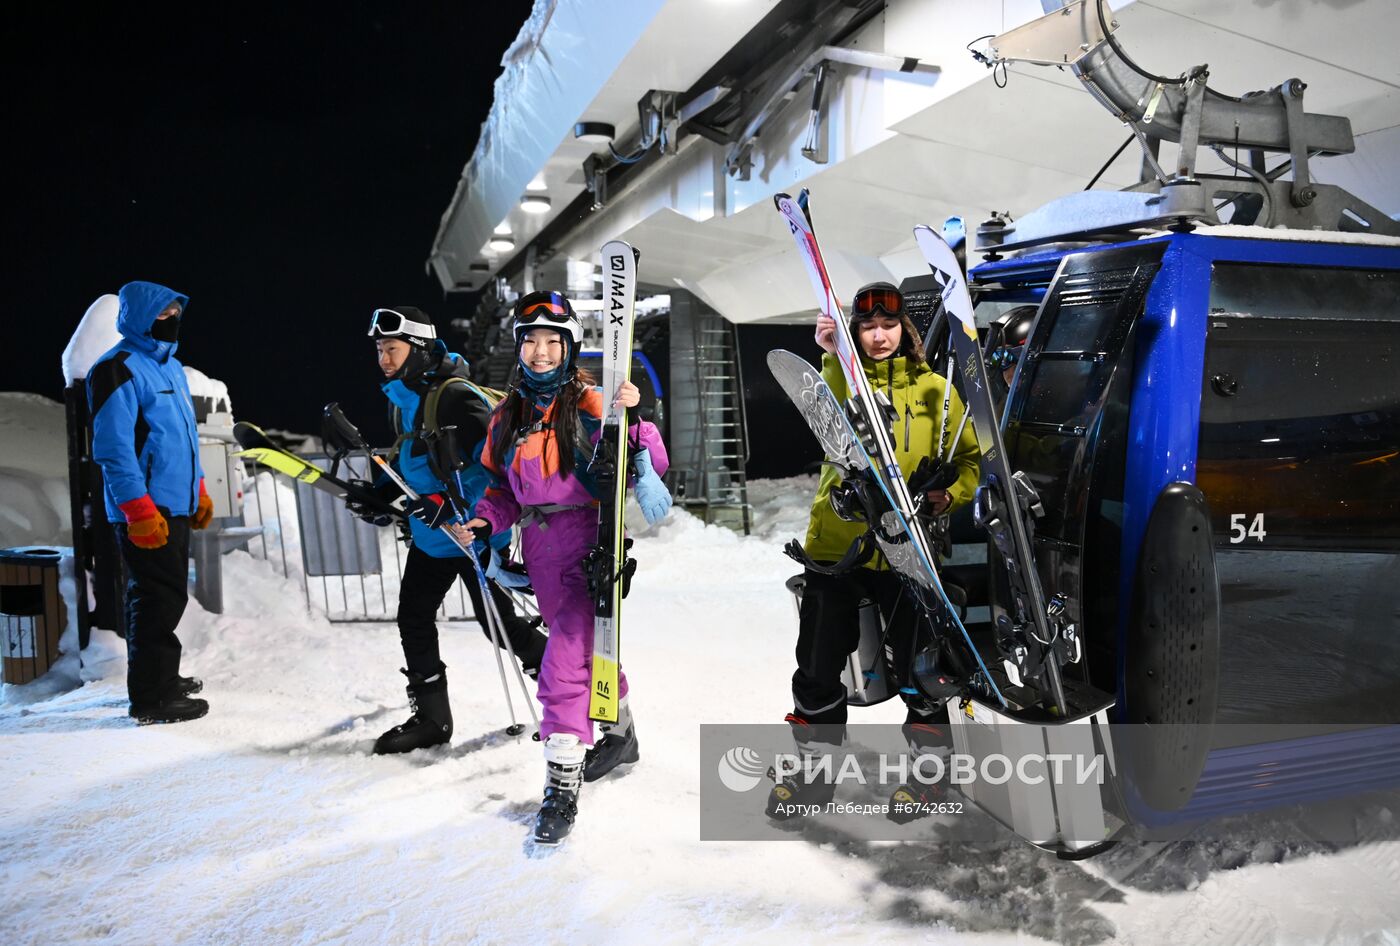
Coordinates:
[426,581]
[157,590]
[829,630]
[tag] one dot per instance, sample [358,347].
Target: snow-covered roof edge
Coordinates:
[563,54]
[1301,236]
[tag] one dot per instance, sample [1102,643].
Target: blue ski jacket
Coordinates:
[143,427]
[468,412]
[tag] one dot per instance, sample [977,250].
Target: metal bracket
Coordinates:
[1191,124]
[595,178]
[814,143]
[1302,193]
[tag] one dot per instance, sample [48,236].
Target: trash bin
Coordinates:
[32,612]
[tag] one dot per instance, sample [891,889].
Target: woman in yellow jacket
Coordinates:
[829,627]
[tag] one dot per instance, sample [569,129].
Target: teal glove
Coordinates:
[652,494]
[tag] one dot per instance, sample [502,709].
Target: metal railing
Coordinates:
[350,570]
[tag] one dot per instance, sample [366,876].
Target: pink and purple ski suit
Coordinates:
[555,544]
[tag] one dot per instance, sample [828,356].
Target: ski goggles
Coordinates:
[1004,356]
[388,324]
[872,302]
[547,309]
[549,306]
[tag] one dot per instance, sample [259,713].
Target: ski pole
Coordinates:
[493,612]
[947,403]
[962,425]
[498,634]
[487,603]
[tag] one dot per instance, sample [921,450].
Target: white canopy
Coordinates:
[903,149]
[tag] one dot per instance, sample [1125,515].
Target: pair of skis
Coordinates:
[856,437]
[608,565]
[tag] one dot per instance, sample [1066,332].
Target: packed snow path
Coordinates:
[270,822]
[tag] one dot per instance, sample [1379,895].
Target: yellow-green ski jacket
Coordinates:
[916,393]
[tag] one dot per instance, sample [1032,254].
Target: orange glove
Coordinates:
[204,512]
[145,526]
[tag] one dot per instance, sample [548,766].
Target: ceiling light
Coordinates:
[537,184]
[501,243]
[503,229]
[534,204]
[594,132]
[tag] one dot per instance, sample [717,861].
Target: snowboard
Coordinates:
[259,447]
[608,563]
[900,535]
[1005,503]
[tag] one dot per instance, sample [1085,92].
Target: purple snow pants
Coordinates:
[554,553]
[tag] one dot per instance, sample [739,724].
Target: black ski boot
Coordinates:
[563,759]
[813,784]
[188,686]
[618,746]
[431,722]
[926,729]
[175,709]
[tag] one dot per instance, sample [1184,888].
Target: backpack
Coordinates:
[442,451]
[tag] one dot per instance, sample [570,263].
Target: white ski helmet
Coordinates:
[547,309]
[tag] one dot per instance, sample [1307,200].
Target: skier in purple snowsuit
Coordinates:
[539,443]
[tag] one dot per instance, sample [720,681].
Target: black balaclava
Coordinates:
[166,330]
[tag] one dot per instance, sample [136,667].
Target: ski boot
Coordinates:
[618,746]
[431,722]
[563,759]
[927,734]
[174,709]
[813,784]
[188,686]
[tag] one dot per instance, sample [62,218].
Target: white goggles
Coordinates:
[388,323]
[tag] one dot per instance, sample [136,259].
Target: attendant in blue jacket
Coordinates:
[144,439]
[419,371]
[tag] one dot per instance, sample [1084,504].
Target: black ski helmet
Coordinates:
[1016,325]
[406,323]
[412,326]
[881,296]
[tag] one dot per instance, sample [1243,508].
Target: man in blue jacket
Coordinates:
[440,420]
[144,438]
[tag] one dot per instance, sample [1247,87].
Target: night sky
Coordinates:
[284,166]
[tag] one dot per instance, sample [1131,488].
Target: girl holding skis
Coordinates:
[539,445]
[924,412]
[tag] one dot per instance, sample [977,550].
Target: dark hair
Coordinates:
[514,411]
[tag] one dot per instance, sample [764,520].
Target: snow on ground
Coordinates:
[269,820]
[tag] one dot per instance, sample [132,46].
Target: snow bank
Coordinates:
[214,391]
[95,334]
[34,504]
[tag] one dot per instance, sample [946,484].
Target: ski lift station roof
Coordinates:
[878,107]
